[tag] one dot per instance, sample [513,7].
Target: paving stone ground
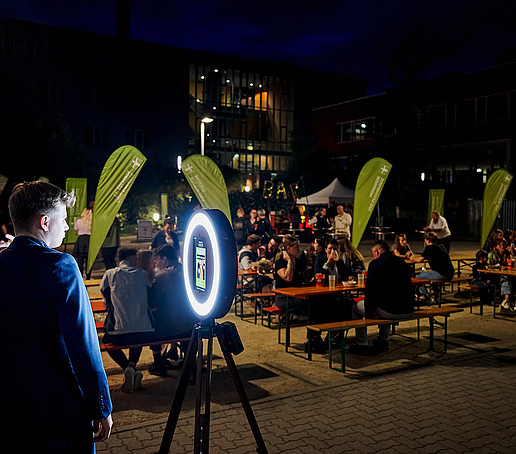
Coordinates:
[406,400]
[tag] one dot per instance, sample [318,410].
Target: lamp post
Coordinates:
[203,131]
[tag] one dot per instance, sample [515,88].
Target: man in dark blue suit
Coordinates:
[55,391]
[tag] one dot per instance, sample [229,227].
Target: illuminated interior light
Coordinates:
[363,125]
[479,170]
[201,219]
[247,188]
[251,84]
[216,70]
[202,77]
[228,81]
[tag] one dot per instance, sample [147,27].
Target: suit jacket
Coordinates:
[53,379]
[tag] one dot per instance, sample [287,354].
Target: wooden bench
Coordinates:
[109,347]
[259,301]
[475,289]
[343,328]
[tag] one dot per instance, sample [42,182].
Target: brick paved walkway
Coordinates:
[465,406]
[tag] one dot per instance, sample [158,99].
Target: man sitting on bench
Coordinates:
[388,295]
[128,321]
[438,259]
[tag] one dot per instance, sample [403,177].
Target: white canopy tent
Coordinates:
[334,192]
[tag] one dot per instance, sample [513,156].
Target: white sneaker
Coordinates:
[137,384]
[128,384]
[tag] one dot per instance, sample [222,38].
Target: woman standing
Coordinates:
[82,245]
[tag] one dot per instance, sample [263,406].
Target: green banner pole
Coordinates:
[117,177]
[494,193]
[369,186]
[207,182]
[435,203]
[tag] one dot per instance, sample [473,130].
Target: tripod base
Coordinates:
[194,363]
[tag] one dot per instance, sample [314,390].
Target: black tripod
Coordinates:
[228,341]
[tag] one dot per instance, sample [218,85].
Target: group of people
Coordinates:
[257,223]
[499,250]
[293,267]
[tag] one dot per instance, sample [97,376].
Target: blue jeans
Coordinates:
[431,274]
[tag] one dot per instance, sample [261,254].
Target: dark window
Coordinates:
[465,113]
[481,109]
[437,116]
[497,107]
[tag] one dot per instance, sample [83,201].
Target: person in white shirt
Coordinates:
[128,321]
[342,222]
[439,226]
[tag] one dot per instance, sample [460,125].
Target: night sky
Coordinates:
[375,40]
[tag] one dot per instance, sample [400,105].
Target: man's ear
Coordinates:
[44,222]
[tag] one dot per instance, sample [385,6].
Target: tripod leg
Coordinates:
[261,448]
[202,419]
[179,397]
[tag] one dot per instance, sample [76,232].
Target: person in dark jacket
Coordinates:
[333,265]
[388,295]
[56,398]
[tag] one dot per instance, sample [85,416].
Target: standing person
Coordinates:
[263,227]
[320,221]
[342,223]
[439,226]
[111,245]
[240,228]
[166,236]
[82,245]
[47,315]
[128,320]
[388,295]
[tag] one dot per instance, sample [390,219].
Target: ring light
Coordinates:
[209,264]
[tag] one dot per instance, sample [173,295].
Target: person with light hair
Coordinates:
[61,394]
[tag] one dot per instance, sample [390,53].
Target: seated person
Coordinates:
[166,236]
[388,295]
[351,257]
[128,320]
[334,265]
[173,316]
[401,248]
[498,257]
[249,253]
[270,252]
[483,280]
[316,256]
[289,272]
[438,259]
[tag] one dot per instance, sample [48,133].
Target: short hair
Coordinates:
[381,244]
[276,239]
[167,251]
[240,210]
[481,254]
[430,236]
[253,239]
[126,252]
[261,212]
[32,199]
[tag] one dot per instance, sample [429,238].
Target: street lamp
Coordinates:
[203,131]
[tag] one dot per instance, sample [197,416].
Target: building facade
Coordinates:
[451,132]
[71,98]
